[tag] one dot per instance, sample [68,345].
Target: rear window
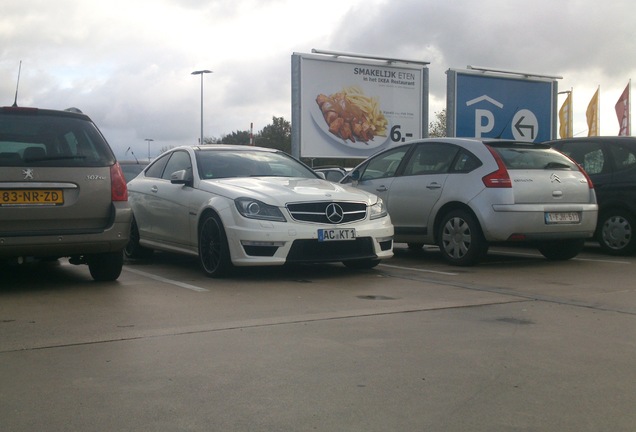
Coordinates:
[40,140]
[526,157]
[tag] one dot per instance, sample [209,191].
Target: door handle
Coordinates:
[154,189]
[433,186]
[382,188]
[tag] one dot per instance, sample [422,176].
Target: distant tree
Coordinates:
[437,128]
[238,137]
[276,135]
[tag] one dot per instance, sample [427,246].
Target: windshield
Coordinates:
[214,164]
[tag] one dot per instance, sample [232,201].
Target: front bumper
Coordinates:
[254,242]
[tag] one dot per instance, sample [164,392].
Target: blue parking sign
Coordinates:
[495,106]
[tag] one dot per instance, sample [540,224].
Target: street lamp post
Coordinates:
[201,72]
[148,140]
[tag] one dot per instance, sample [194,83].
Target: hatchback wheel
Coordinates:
[561,250]
[460,239]
[616,232]
[214,253]
[105,266]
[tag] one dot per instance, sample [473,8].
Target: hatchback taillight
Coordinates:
[499,178]
[580,167]
[119,190]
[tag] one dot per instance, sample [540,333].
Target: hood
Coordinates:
[280,191]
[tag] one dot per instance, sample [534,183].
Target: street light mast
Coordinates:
[148,140]
[201,72]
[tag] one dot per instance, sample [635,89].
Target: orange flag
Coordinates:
[565,117]
[592,114]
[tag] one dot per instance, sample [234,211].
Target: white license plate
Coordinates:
[562,218]
[336,234]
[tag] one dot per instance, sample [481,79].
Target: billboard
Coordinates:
[492,105]
[345,108]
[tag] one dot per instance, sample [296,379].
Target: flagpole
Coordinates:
[571,117]
[598,111]
[629,106]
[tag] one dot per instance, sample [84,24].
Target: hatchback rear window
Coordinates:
[53,141]
[518,157]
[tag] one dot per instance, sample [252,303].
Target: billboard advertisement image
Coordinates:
[352,109]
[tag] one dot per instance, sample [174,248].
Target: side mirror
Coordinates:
[321,175]
[355,175]
[183,177]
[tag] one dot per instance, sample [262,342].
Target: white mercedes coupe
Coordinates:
[249,206]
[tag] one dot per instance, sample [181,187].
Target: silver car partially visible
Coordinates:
[463,194]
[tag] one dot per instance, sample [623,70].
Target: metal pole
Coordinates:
[201,72]
[148,140]
[201,140]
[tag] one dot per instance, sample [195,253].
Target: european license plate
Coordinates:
[51,197]
[562,217]
[336,234]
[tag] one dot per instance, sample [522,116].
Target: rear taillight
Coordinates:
[119,190]
[587,177]
[580,167]
[499,178]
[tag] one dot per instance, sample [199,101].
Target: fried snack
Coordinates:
[352,116]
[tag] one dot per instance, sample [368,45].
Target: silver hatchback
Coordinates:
[464,194]
[62,193]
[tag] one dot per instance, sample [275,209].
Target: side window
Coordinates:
[465,162]
[588,154]
[155,170]
[624,157]
[431,158]
[384,165]
[179,160]
[593,162]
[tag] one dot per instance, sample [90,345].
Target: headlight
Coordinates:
[378,210]
[255,209]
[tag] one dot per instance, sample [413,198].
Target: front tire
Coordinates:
[561,250]
[214,253]
[105,267]
[460,239]
[616,232]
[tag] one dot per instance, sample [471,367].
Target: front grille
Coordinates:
[311,251]
[316,212]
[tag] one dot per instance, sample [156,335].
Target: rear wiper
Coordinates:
[553,165]
[40,159]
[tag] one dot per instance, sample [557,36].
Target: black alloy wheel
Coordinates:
[214,253]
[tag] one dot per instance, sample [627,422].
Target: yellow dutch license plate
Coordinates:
[22,197]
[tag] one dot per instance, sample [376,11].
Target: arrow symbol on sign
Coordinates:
[519,125]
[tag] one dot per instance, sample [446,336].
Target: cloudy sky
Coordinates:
[128,63]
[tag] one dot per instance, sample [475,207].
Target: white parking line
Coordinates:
[536,255]
[168,281]
[420,270]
